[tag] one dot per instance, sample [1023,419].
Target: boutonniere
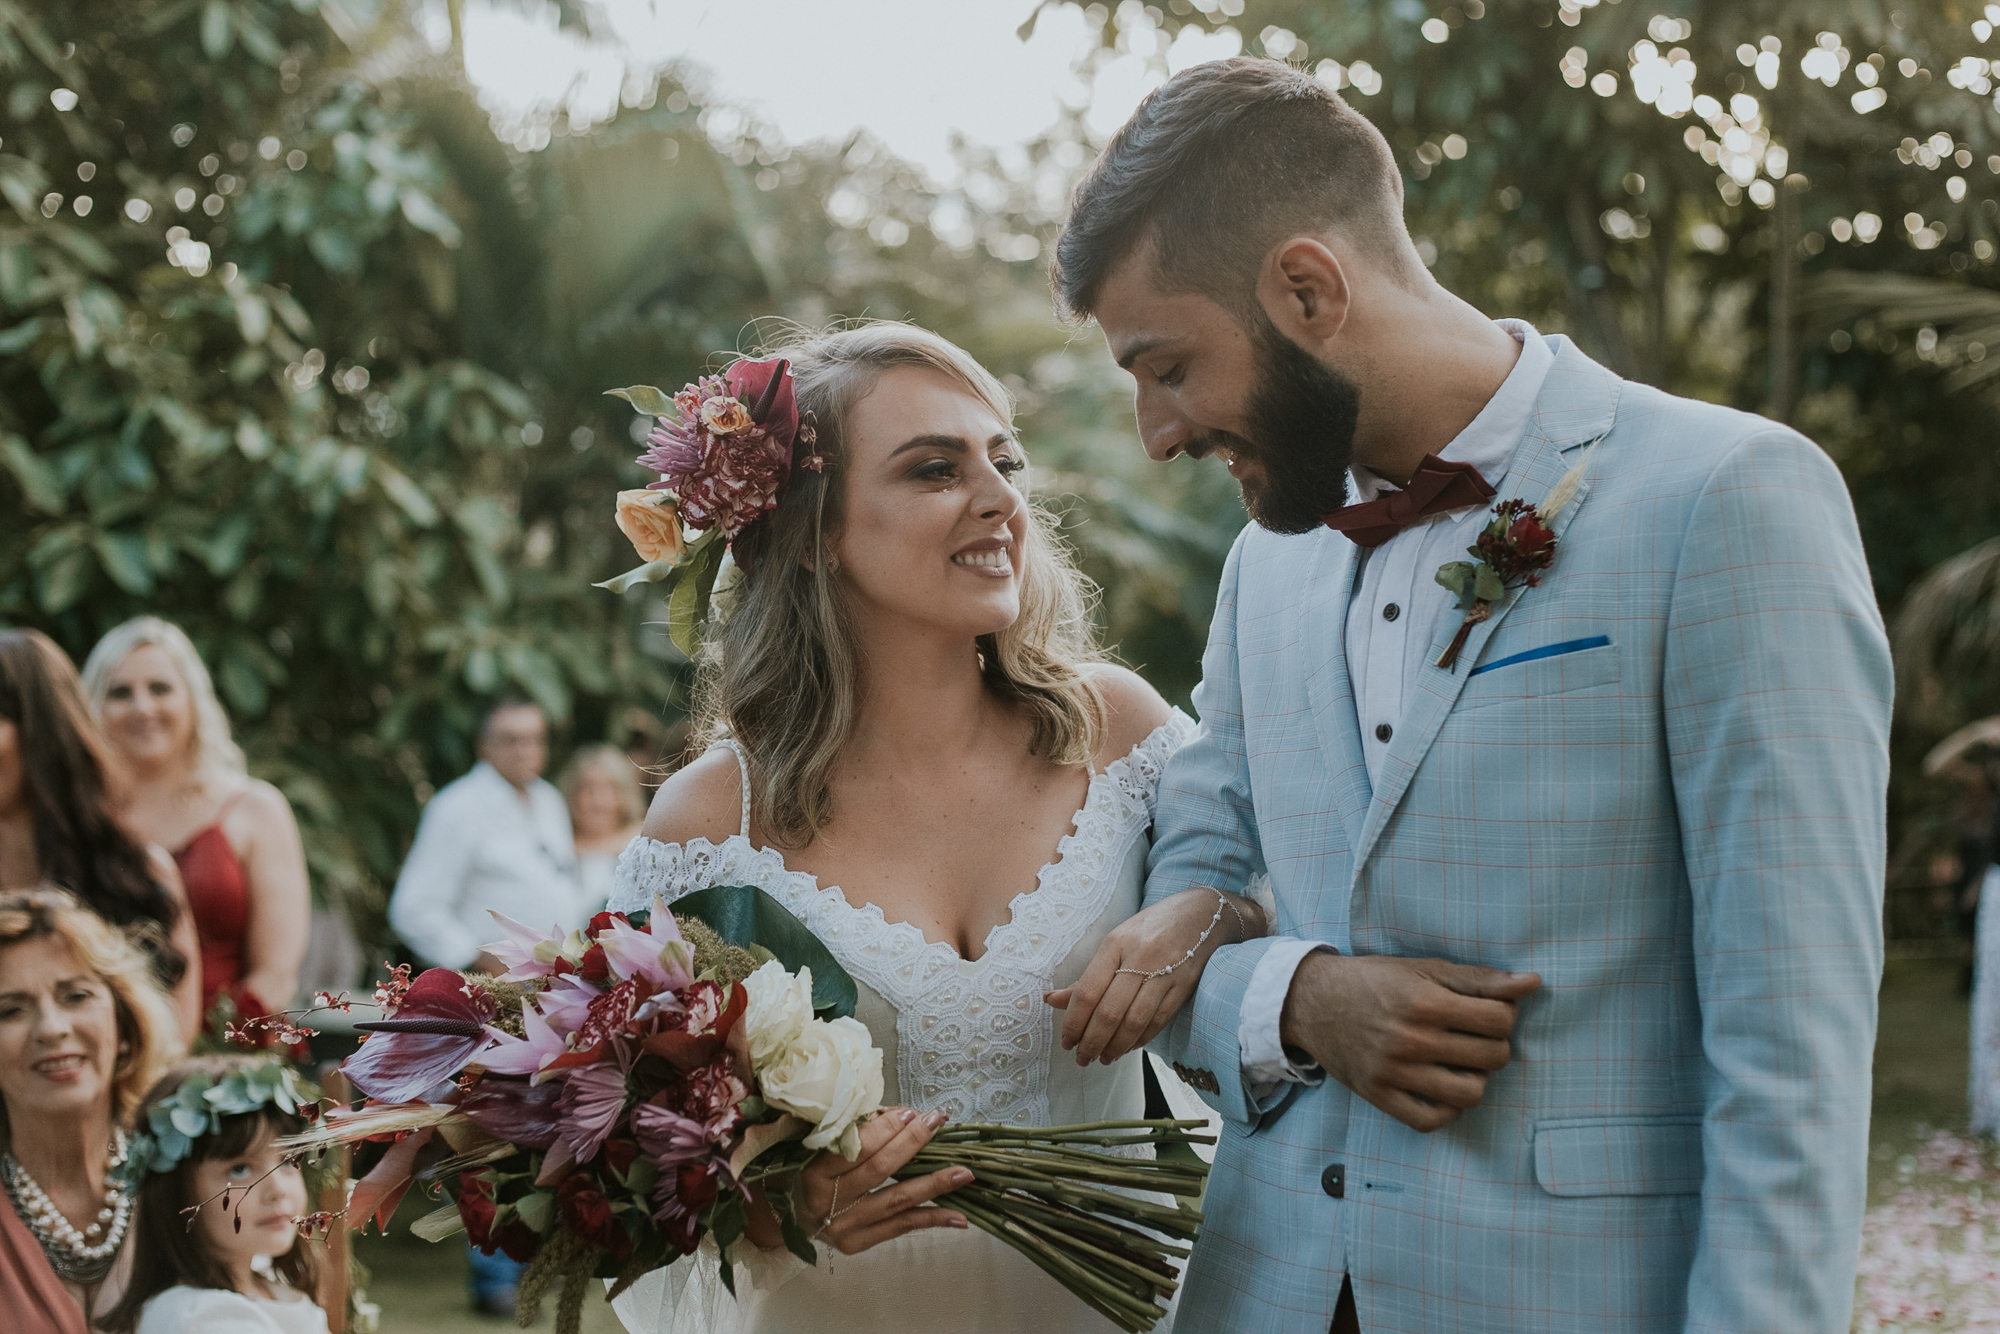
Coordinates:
[1510,552]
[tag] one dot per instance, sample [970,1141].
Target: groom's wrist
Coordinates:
[1266,1062]
[1305,1002]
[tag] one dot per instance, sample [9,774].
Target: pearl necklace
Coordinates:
[78,1257]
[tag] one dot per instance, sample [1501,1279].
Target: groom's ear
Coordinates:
[1304,290]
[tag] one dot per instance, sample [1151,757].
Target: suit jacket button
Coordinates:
[1334,1181]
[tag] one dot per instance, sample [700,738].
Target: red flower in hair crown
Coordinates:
[725,446]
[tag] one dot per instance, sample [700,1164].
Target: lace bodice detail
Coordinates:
[972,1036]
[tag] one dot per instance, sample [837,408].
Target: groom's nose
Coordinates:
[1162,432]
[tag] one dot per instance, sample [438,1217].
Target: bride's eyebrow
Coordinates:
[939,440]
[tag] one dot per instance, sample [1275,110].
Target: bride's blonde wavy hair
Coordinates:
[782,673]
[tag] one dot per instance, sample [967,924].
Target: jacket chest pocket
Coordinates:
[1558,669]
[1619,1156]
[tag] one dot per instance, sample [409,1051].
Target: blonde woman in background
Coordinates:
[601,786]
[233,837]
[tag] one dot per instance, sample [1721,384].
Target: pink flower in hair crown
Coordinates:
[727,454]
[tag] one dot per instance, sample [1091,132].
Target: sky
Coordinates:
[910,71]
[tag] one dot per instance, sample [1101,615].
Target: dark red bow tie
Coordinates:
[1435,487]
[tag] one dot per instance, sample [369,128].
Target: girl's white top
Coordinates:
[185,1310]
[969,1037]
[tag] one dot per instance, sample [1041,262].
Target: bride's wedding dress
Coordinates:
[969,1037]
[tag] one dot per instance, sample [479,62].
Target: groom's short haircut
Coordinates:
[1221,163]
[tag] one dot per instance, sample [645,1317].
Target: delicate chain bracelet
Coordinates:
[1221,902]
[832,1210]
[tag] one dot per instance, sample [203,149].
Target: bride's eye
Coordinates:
[1009,464]
[936,470]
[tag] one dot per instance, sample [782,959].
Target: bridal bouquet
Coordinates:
[627,1092]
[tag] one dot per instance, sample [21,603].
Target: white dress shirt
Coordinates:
[484,844]
[1395,613]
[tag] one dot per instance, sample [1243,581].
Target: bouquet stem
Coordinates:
[1081,1214]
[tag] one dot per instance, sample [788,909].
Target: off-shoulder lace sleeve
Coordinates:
[649,869]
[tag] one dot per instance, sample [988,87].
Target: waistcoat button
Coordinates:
[1383,731]
[1334,1181]
[1391,612]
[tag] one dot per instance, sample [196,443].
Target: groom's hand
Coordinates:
[1418,1038]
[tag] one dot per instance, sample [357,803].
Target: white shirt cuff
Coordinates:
[1265,1065]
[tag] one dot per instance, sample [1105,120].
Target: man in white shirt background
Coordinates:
[496,840]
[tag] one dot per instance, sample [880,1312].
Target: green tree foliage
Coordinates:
[294,351]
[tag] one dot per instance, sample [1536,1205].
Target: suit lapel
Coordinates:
[1577,406]
[1329,687]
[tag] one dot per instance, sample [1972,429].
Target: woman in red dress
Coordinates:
[233,836]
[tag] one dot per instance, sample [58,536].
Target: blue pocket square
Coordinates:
[1545,651]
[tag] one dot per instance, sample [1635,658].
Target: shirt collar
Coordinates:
[1488,442]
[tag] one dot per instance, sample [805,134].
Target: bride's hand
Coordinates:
[863,1216]
[1112,1012]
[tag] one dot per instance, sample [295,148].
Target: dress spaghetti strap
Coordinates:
[735,747]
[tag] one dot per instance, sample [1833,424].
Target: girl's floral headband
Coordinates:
[724,446]
[197,1107]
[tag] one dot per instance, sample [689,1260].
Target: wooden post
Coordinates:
[334,1272]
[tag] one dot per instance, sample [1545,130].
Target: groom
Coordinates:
[1566,1019]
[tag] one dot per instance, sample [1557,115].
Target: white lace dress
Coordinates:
[971,1038]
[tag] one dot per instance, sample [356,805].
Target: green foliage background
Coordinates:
[296,351]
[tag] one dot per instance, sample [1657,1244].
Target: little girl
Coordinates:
[207,1278]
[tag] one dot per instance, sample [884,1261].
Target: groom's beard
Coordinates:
[1301,420]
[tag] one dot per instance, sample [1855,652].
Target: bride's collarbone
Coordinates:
[949,863]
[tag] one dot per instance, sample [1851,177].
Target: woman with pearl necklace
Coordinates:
[84,1032]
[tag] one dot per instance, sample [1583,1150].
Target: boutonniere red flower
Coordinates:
[1510,552]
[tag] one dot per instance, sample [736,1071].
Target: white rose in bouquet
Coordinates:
[780,1007]
[830,1075]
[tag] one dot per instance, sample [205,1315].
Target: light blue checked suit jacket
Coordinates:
[1681,830]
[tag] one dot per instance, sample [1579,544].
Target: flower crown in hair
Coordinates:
[725,446]
[197,1107]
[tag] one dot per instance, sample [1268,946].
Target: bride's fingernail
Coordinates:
[906,1115]
[962,1177]
[934,1119]
[960,1222]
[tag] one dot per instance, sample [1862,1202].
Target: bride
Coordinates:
[919,751]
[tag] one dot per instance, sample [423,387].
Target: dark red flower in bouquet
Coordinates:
[477,1209]
[438,1026]
[620,1152]
[588,1214]
[690,1037]
[681,1196]
[608,1015]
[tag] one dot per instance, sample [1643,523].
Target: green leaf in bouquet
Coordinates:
[745,915]
[789,1227]
[439,1224]
[1487,586]
[648,400]
[537,1209]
